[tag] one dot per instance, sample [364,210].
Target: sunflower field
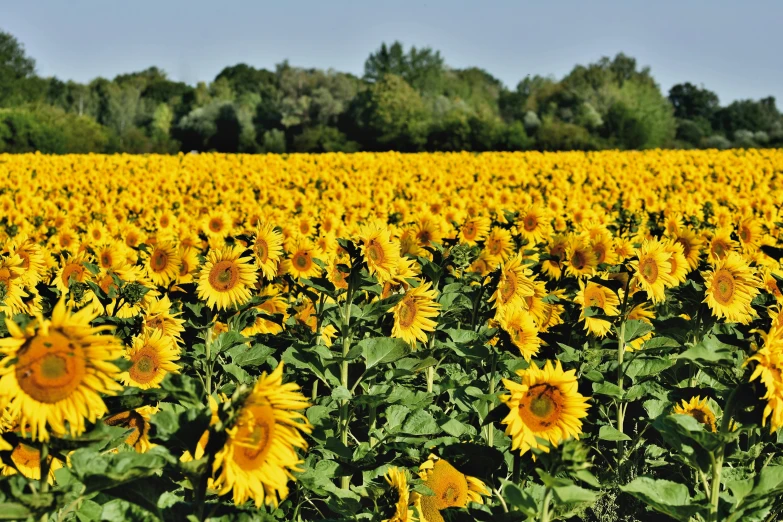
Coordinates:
[392,337]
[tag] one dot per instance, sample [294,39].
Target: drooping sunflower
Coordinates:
[521,328]
[380,253]
[397,478]
[301,263]
[152,356]
[274,305]
[556,250]
[268,249]
[55,371]
[653,270]
[158,316]
[515,284]
[138,421]
[594,295]
[27,460]
[450,488]
[640,312]
[413,315]
[12,292]
[33,261]
[163,263]
[226,278]
[699,410]
[769,370]
[260,453]
[731,286]
[305,314]
[474,229]
[546,405]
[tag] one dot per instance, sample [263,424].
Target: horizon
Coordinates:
[195,43]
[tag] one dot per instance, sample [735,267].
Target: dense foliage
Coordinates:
[389,337]
[406,100]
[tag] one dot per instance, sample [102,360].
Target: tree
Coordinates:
[691,102]
[393,114]
[15,68]
[422,68]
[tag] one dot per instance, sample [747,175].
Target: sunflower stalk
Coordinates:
[621,374]
[545,514]
[44,465]
[345,481]
[492,370]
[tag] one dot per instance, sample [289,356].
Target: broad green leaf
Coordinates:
[420,423]
[665,496]
[573,494]
[611,433]
[383,350]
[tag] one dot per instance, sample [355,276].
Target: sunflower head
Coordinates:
[699,410]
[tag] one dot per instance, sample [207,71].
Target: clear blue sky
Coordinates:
[732,47]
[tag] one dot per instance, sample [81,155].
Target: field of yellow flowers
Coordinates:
[392,337]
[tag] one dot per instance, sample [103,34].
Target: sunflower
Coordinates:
[268,249]
[514,285]
[226,278]
[188,257]
[546,405]
[427,230]
[499,244]
[305,314]
[450,488]
[699,410]
[474,229]
[380,253]
[55,371]
[691,246]
[301,263]
[71,269]
[769,370]
[109,255]
[653,270]
[397,478]
[413,315]
[163,263]
[593,295]
[750,234]
[152,357]
[217,224]
[27,460]
[521,327]
[581,261]
[260,452]
[33,262]
[642,313]
[12,292]
[158,316]
[731,286]
[556,250]
[679,265]
[274,305]
[138,421]
[534,224]
[603,249]
[720,245]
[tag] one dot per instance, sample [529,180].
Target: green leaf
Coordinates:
[708,350]
[461,336]
[453,427]
[573,494]
[607,388]
[611,433]
[341,393]
[665,496]
[420,423]
[254,356]
[647,366]
[383,350]
[636,328]
[13,511]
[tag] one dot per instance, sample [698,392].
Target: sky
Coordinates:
[730,47]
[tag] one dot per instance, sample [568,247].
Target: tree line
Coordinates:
[407,100]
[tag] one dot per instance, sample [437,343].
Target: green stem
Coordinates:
[44,467]
[208,362]
[716,459]
[346,334]
[430,378]
[545,515]
[476,306]
[490,427]
[372,420]
[620,375]
[315,391]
